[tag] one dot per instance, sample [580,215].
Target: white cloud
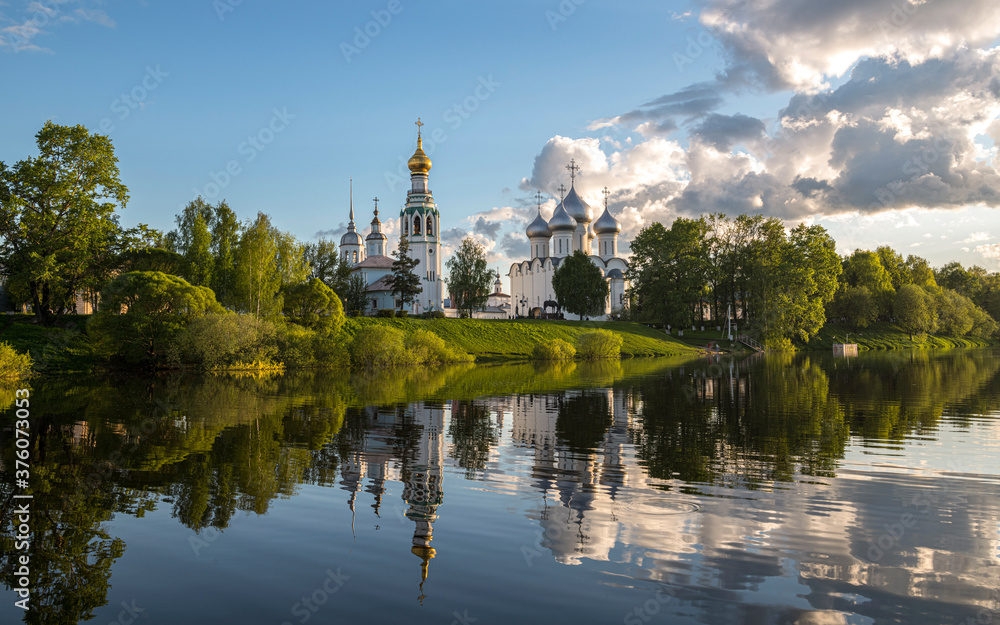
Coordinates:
[975,237]
[989,251]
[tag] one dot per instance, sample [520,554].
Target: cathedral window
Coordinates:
[406,227]
[429,226]
[355,256]
[416,225]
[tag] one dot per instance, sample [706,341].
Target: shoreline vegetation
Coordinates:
[375,343]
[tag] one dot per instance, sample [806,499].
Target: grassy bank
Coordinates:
[884,335]
[490,340]
[64,347]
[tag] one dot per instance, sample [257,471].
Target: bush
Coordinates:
[13,364]
[219,341]
[436,314]
[302,347]
[387,312]
[599,344]
[554,349]
[376,347]
[426,347]
[402,313]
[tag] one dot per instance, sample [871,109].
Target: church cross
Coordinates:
[538,197]
[606,194]
[562,192]
[573,168]
[419,124]
[376,206]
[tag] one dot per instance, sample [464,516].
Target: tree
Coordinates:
[356,300]
[314,305]
[914,309]
[894,265]
[225,240]
[469,281]
[580,286]
[257,279]
[141,311]
[326,265]
[669,270]
[855,305]
[58,229]
[920,270]
[405,284]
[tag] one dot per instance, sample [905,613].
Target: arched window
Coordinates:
[355,256]
[429,226]
[406,227]
[416,224]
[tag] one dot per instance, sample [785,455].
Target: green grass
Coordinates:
[515,339]
[64,347]
[884,335]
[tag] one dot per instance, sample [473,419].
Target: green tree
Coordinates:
[669,270]
[580,286]
[914,309]
[225,241]
[326,265]
[58,229]
[142,311]
[405,284]
[470,281]
[314,305]
[894,265]
[856,306]
[356,300]
[258,280]
[920,270]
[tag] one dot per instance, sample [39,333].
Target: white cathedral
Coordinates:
[572,227]
[419,223]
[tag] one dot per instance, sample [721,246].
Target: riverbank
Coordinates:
[67,348]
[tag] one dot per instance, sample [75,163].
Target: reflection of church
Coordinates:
[572,227]
[419,224]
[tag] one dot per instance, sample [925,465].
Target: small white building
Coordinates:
[572,227]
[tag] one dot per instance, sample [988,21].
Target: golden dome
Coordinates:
[419,163]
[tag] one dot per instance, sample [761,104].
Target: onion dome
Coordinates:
[607,224]
[419,163]
[561,220]
[539,228]
[577,208]
[376,233]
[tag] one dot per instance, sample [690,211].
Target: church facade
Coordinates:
[572,227]
[419,224]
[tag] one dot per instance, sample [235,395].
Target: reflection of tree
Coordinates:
[473,434]
[583,420]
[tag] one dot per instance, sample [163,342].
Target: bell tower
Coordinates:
[420,224]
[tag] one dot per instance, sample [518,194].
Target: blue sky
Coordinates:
[295,102]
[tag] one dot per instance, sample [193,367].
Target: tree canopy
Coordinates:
[470,281]
[59,231]
[405,284]
[580,286]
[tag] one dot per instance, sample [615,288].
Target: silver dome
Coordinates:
[561,220]
[607,224]
[577,208]
[351,237]
[539,228]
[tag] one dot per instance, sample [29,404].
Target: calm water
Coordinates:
[778,490]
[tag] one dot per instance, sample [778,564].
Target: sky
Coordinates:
[876,119]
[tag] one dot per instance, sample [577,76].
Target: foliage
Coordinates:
[326,265]
[224,340]
[59,233]
[599,344]
[303,347]
[914,310]
[423,346]
[378,347]
[313,304]
[153,259]
[580,286]
[386,312]
[405,284]
[257,282]
[470,280]
[856,306]
[225,241]
[142,311]
[13,364]
[553,349]
[356,297]
[669,270]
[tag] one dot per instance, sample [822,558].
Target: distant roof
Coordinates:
[382,284]
[375,262]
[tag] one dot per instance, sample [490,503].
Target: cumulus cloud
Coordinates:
[991,251]
[975,237]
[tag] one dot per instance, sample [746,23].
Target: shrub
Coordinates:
[402,313]
[554,349]
[426,347]
[13,364]
[219,341]
[599,344]
[387,312]
[302,347]
[436,314]
[375,347]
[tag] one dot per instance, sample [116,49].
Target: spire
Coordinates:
[352,202]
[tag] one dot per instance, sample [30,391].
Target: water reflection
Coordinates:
[736,483]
